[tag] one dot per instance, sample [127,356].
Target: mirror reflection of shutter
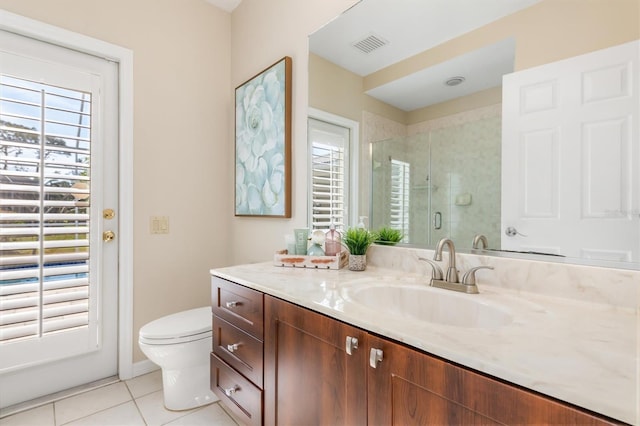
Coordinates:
[329,174]
[45,136]
[328,183]
[400,197]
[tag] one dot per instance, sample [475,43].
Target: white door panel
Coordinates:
[570,136]
[68,335]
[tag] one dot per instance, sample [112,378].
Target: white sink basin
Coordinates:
[433,305]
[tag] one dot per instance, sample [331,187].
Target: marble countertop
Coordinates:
[577,351]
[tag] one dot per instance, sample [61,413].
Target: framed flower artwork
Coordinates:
[263,143]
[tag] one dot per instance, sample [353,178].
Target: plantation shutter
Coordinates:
[399,206]
[45,135]
[329,171]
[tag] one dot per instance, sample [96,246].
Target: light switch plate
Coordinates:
[159,224]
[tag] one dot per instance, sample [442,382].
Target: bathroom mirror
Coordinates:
[414,73]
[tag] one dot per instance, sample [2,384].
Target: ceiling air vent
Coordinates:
[370,43]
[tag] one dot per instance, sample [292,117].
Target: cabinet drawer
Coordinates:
[238,349]
[238,305]
[236,392]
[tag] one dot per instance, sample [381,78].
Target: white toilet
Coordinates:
[180,344]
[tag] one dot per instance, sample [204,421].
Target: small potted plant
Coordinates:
[388,236]
[357,240]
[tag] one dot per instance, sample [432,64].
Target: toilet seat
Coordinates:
[186,326]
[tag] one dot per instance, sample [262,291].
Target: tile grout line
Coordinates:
[55,397]
[135,402]
[94,413]
[59,422]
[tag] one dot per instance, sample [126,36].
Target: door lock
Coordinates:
[108,236]
[108,214]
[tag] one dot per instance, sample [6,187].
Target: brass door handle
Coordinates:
[108,236]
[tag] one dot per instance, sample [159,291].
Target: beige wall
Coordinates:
[334,89]
[263,32]
[473,101]
[339,91]
[182,108]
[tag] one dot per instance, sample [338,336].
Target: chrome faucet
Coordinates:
[452,272]
[480,239]
[468,284]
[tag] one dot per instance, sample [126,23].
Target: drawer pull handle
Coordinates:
[375,356]
[351,344]
[232,304]
[231,391]
[234,347]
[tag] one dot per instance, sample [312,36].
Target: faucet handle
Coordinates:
[469,278]
[436,273]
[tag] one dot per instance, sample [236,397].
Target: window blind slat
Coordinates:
[44,220]
[57,284]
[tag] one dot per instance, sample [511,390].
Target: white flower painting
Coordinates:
[263,133]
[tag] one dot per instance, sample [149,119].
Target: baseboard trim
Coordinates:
[143,367]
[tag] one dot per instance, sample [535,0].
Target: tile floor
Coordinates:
[130,403]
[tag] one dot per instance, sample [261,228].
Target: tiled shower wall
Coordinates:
[463,176]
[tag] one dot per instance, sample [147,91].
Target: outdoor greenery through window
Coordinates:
[45,144]
[329,145]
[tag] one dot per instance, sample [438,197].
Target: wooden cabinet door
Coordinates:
[310,379]
[411,388]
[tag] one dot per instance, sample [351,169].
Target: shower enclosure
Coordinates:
[441,183]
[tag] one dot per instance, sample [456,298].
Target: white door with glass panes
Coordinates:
[58,218]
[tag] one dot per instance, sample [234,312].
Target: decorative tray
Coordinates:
[282,258]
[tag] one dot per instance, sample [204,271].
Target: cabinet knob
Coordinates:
[231,391]
[375,356]
[233,347]
[232,304]
[351,344]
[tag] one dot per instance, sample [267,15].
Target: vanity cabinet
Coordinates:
[318,370]
[310,378]
[408,387]
[238,349]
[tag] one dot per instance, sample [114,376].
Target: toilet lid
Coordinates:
[182,324]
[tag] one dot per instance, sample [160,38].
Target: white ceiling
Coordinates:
[482,69]
[410,27]
[227,5]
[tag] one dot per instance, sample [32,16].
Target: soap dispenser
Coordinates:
[317,240]
[361,224]
[332,243]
